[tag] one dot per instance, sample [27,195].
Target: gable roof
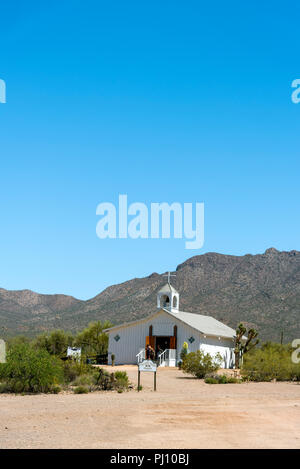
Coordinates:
[167,288]
[204,324]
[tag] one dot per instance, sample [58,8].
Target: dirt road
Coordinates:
[183,413]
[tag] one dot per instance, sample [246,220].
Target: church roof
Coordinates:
[167,288]
[204,324]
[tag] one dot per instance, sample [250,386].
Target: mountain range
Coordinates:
[261,290]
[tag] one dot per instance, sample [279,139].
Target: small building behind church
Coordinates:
[166,330]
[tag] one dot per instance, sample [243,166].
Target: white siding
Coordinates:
[133,337]
[225,347]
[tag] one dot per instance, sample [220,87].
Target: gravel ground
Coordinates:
[182,413]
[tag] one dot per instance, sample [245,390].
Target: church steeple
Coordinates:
[168,297]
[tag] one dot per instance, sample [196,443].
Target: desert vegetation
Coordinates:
[32,370]
[221,379]
[270,362]
[40,366]
[244,346]
[199,364]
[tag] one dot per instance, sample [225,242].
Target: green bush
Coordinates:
[211,381]
[73,369]
[56,389]
[93,340]
[121,380]
[55,342]
[3,388]
[104,380]
[199,363]
[233,380]
[184,351]
[81,390]
[88,379]
[17,340]
[30,370]
[221,379]
[271,362]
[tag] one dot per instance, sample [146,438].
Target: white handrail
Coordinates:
[167,354]
[141,356]
[162,357]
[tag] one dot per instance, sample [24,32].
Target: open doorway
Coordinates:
[162,343]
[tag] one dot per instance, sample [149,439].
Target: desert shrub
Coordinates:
[296,372]
[56,389]
[55,342]
[3,388]
[271,362]
[121,380]
[233,380]
[199,363]
[87,379]
[104,380]
[73,369]
[81,390]
[211,381]
[221,379]
[30,370]
[17,340]
[184,351]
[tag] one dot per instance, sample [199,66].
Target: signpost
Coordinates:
[147,365]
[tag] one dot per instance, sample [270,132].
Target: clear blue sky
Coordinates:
[164,101]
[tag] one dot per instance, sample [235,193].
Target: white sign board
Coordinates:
[147,365]
[2,351]
[74,352]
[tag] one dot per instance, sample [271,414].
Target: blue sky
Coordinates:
[163,101]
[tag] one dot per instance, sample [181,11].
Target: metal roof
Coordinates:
[204,324]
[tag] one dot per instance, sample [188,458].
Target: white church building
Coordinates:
[166,330]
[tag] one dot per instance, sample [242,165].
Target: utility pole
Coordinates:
[281,338]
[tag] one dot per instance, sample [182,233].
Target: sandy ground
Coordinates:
[182,413]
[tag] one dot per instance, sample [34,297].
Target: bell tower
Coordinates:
[168,297]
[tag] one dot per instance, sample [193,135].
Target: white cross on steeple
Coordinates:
[169,275]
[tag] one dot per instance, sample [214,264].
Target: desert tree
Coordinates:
[92,339]
[243,346]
